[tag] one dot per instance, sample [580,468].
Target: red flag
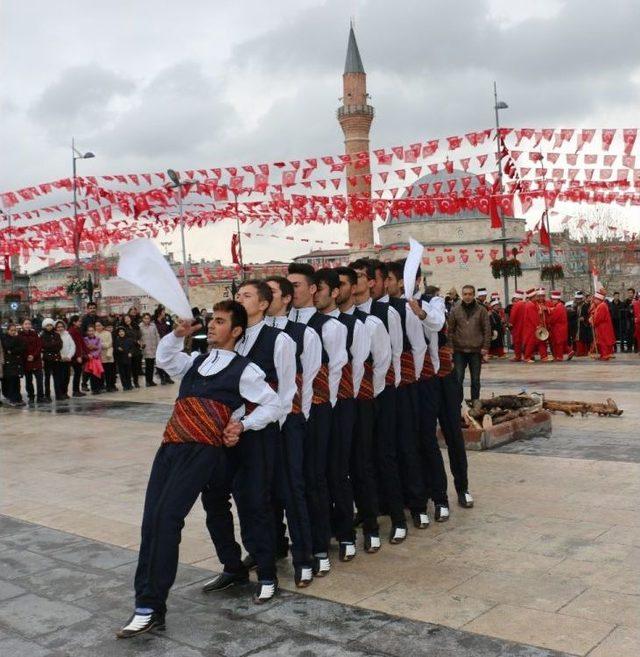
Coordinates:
[8,274]
[496,222]
[545,239]
[235,240]
[629,136]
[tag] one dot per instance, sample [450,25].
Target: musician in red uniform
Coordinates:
[516,324]
[636,322]
[600,320]
[559,328]
[535,315]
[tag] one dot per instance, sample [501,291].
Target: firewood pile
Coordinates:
[484,413]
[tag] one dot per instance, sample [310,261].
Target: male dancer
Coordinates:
[333,336]
[208,414]
[344,412]
[363,466]
[250,471]
[414,348]
[289,492]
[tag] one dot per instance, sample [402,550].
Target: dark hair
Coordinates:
[285,285]
[92,303]
[431,290]
[367,265]
[73,319]
[380,266]
[396,267]
[348,272]
[631,289]
[469,287]
[328,276]
[237,312]
[263,290]
[303,269]
[146,315]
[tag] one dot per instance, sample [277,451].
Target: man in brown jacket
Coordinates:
[470,336]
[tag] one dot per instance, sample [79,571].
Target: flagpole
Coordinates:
[545,221]
[235,196]
[503,230]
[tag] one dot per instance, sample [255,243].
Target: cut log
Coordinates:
[583,408]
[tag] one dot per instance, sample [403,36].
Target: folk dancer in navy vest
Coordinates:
[289,489]
[333,336]
[370,283]
[250,471]
[409,430]
[208,416]
[368,483]
[430,310]
[344,412]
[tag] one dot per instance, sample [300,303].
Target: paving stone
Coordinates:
[325,619]
[16,563]
[14,646]
[185,576]
[305,646]
[96,555]
[9,590]
[40,539]
[32,615]
[9,526]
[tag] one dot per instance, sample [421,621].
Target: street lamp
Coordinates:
[497,106]
[176,183]
[77,155]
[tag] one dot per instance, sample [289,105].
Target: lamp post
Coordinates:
[77,155]
[176,183]
[545,221]
[235,203]
[500,105]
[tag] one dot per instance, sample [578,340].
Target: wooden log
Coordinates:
[583,408]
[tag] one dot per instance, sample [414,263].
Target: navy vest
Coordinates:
[362,316]
[222,387]
[262,353]
[350,322]
[295,330]
[401,306]
[316,322]
[380,309]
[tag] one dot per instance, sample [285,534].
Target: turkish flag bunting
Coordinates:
[496,222]
[607,137]
[629,136]
[8,274]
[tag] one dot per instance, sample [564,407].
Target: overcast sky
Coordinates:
[148,85]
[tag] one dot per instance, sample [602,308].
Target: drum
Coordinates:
[542,333]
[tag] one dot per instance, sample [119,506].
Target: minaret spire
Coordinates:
[355,117]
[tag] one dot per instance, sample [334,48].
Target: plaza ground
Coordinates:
[547,563]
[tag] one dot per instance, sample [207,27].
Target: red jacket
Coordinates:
[81,348]
[558,323]
[516,317]
[32,347]
[603,326]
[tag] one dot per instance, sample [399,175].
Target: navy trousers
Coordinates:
[340,489]
[363,472]
[316,452]
[415,495]
[289,491]
[249,476]
[179,473]
[386,458]
[449,417]
[435,476]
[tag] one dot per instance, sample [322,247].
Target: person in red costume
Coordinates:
[535,314]
[558,324]
[516,324]
[636,322]
[604,334]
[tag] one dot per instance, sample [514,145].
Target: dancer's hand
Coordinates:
[231,433]
[418,311]
[184,328]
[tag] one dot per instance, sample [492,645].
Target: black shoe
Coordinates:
[136,385]
[16,404]
[249,562]
[169,382]
[79,394]
[97,392]
[372,543]
[398,534]
[441,513]
[347,551]
[420,520]
[140,624]
[84,388]
[303,576]
[265,591]
[321,565]
[465,500]
[32,400]
[225,581]
[41,400]
[151,385]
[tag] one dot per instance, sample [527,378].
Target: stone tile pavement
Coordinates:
[549,557]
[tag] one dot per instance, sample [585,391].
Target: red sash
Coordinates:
[427,368]
[366,387]
[297,398]
[345,390]
[446,361]
[321,385]
[197,420]
[407,368]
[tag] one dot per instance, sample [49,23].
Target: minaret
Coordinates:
[355,117]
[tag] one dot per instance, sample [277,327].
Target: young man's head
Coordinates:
[468,293]
[256,296]
[348,280]
[379,288]
[631,293]
[366,279]
[395,278]
[327,288]
[74,320]
[282,291]
[616,296]
[146,319]
[228,324]
[91,308]
[301,276]
[26,325]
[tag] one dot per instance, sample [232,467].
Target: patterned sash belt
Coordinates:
[297,398]
[197,420]
[345,390]
[321,385]
[407,368]
[446,361]
[427,368]
[366,387]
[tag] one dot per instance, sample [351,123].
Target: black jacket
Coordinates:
[14,349]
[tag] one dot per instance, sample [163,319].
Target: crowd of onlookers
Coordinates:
[47,358]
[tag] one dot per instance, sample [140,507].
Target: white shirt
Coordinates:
[253,387]
[415,334]
[431,325]
[380,349]
[395,333]
[68,346]
[334,341]
[360,348]
[311,360]
[284,359]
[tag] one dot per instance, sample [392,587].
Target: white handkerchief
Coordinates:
[411,267]
[142,264]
